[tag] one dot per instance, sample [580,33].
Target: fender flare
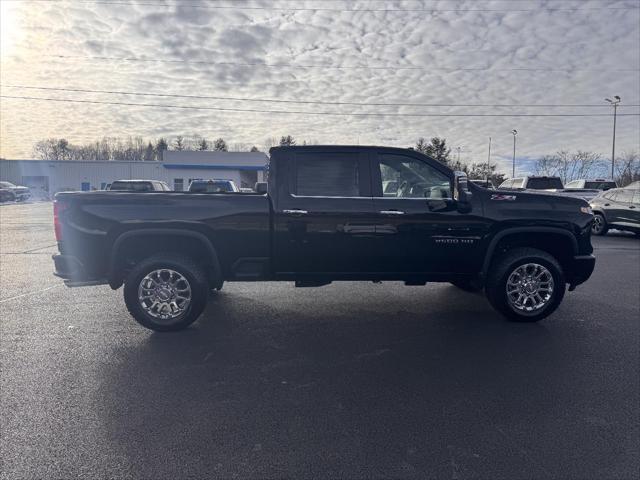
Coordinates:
[514,230]
[122,238]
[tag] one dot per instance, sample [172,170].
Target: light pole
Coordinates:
[616,100]
[514,132]
[458,148]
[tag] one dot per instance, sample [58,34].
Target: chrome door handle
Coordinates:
[391,212]
[295,212]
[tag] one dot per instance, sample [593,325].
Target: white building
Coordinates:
[177,169]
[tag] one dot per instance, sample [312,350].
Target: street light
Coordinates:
[514,132]
[616,100]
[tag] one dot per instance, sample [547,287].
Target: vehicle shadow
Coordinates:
[378,388]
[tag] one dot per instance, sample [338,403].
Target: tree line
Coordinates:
[137,149]
[564,164]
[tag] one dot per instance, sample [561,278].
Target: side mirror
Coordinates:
[261,187]
[461,193]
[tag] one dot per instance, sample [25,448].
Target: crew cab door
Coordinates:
[323,221]
[418,225]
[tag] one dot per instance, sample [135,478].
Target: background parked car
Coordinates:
[548,184]
[139,186]
[533,183]
[11,192]
[617,208]
[484,183]
[213,186]
[595,184]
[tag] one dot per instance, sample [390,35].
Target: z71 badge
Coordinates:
[500,196]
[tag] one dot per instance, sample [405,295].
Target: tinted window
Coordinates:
[327,175]
[600,185]
[544,183]
[210,187]
[132,186]
[624,196]
[407,177]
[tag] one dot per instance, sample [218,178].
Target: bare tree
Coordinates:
[627,168]
[568,165]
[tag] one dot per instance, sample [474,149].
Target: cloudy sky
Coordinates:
[448,56]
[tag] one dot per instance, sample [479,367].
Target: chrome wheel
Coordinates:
[529,288]
[598,224]
[164,294]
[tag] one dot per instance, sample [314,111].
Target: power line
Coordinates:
[297,112]
[334,9]
[311,102]
[337,67]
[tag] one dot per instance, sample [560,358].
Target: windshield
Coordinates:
[6,184]
[600,185]
[132,186]
[544,183]
[211,187]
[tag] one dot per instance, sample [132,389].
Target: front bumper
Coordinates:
[581,269]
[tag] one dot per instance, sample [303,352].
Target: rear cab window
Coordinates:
[600,185]
[544,183]
[329,174]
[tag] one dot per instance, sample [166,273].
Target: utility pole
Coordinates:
[488,160]
[514,132]
[616,100]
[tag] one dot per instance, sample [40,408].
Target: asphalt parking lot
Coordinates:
[348,380]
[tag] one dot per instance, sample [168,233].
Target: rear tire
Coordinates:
[536,282]
[166,292]
[599,225]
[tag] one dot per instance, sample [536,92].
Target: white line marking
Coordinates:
[30,293]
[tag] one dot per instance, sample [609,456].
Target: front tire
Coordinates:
[599,225]
[166,292]
[526,285]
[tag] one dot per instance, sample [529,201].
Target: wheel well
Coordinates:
[132,249]
[556,244]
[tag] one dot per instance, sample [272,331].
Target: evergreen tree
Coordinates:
[220,145]
[203,145]
[161,146]
[287,141]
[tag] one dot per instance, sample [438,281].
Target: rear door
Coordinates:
[323,214]
[625,210]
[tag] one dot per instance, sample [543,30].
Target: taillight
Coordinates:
[58,208]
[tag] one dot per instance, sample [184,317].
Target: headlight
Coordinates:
[586,210]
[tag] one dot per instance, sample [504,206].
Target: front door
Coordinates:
[418,225]
[323,214]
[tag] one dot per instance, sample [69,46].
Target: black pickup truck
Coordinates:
[329,213]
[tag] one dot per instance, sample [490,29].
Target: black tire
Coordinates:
[599,225]
[503,267]
[184,266]
[466,285]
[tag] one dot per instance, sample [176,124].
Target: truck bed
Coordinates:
[237,225]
